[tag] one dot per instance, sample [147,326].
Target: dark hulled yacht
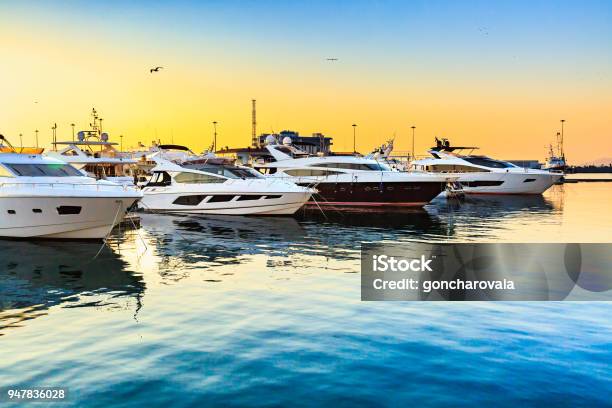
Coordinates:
[351,181]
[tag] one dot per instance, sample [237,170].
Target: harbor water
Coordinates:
[205,310]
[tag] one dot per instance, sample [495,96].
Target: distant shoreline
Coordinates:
[590,169]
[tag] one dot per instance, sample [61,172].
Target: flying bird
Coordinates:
[332,59]
[156,69]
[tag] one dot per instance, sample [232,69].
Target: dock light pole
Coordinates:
[21,141]
[413,127]
[561,147]
[72,125]
[36,131]
[354,137]
[121,146]
[214,136]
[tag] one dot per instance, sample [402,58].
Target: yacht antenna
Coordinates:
[54,129]
[215,136]
[96,126]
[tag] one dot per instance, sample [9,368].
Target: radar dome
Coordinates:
[287,141]
[270,139]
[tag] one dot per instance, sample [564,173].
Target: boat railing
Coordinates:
[64,185]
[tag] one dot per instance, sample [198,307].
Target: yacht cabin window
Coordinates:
[487,162]
[266,170]
[454,168]
[310,172]
[43,170]
[197,178]
[230,172]
[160,178]
[355,166]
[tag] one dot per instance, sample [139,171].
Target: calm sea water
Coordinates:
[209,311]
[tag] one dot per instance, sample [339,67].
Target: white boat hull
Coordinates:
[287,204]
[517,182]
[38,217]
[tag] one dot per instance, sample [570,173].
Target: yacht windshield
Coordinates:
[487,162]
[44,170]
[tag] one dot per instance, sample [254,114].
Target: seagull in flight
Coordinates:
[332,59]
[156,69]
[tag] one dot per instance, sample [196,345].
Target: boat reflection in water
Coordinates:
[495,216]
[37,276]
[182,243]
[185,243]
[502,205]
[189,242]
[349,228]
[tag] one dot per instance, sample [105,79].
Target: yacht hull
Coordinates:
[507,183]
[280,203]
[380,194]
[39,217]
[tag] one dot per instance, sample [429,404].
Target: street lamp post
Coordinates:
[413,127]
[72,125]
[561,146]
[214,136]
[354,137]
[36,131]
[21,141]
[121,137]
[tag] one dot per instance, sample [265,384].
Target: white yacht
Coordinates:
[351,181]
[48,198]
[219,189]
[483,175]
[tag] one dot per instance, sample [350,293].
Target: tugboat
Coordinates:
[556,158]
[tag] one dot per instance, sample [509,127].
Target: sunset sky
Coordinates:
[496,74]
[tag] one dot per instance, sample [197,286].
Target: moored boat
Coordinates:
[351,181]
[226,189]
[44,197]
[484,175]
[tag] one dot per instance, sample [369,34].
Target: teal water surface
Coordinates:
[232,311]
